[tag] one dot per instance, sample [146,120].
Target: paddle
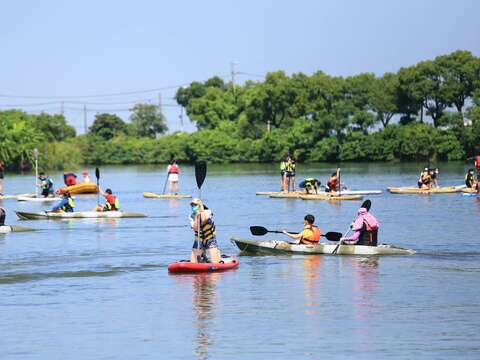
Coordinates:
[165,184]
[35,156]
[200,174]
[367,204]
[260,230]
[97,175]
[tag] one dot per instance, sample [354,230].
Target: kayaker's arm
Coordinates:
[293,236]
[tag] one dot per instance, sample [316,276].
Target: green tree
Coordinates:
[384,97]
[107,126]
[54,127]
[148,120]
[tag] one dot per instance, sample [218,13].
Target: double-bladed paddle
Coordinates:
[367,204]
[260,230]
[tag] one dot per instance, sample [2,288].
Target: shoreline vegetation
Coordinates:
[429,111]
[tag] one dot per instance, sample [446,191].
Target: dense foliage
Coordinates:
[428,111]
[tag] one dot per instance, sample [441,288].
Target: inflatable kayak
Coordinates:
[331,197]
[77,215]
[413,190]
[5,229]
[165,196]
[284,247]
[82,188]
[38,199]
[185,266]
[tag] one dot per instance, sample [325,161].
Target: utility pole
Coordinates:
[181,116]
[85,118]
[159,102]
[62,110]
[232,74]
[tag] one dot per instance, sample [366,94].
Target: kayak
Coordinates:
[82,188]
[38,199]
[284,247]
[358,192]
[165,196]
[298,194]
[77,215]
[469,190]
[5,229]
[287,195]
[331,197]
[228,263]
[6,197]
[413,190]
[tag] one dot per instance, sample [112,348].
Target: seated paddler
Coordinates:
[310,234]
[66,204]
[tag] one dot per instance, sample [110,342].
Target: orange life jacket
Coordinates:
[314,238]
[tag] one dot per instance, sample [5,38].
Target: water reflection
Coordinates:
[173,203]
[312,273]
[204,301]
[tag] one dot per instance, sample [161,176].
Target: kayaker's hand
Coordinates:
[285,232]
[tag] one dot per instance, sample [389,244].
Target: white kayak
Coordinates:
[284,247]
[38,199]
[77,215]
[5,229]
[7,197]
[358,192]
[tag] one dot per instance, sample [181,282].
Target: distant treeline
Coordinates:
[428,111]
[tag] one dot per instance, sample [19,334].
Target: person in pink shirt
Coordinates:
[365,229]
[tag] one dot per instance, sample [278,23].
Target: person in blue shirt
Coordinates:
[46,184]
[66,204]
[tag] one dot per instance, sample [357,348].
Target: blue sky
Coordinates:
[55,49]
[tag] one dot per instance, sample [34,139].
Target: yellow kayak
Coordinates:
[82,188]
[165,196]
[295,195]
[413,190]
[331,197]
[469,190]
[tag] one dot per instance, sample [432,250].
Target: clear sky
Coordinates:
[56,49]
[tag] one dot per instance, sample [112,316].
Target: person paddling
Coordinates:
[66,204]
[310,234]
[425,179]
[3,215]
[111,204]
[206,240]
[477,167]
[310,185]
[470,179]
[46,184]
[365,229]
[333,182]
[173,170]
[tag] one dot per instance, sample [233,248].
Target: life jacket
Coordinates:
[70,179]
[369,235]
[477,162]
[469,180]
[207,231]
[332,183]
[173,169]
[69,206]
[112,203]
[290,167]
[425,178]
[47,184]
[283,166]
[314,238]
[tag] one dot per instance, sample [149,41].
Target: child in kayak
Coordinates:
[46,184]
[112,203]
[66,204]
[310,234]
[366,230]
[203,216]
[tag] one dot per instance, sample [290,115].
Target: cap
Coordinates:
[84,172]
[195,201]
[108,191]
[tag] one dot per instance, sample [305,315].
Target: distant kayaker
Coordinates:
[477,167]
[434,176]
[46,184]
[3,215]
[86,177]
[290,169]
[470,179]
[66,204]
[333,182]
[202,215]
[310,185]
[111,204]
[283,166]
[2,169]
[365,229]
[310,234]
[425,179]
[70,179]
[172,172]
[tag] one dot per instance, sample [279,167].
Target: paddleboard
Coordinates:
[414,190]
[331,197]
[228,263]
[77,215]
[5,229]
[165,196]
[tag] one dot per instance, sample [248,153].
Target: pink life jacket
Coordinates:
[371,223]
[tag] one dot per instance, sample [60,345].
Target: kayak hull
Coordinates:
[39,199]
[165,196]
[469,191]
[14,228]
[82,188]
[279,194]
[77,215]
[189,267]
[413,190]
[283,247]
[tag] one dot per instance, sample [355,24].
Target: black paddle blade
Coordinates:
[367,204]
[333,236]
[258,230]
[200,172]
[97,173]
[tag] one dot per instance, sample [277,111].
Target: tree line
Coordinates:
[427,111]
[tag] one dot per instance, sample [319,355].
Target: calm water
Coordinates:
[99,289]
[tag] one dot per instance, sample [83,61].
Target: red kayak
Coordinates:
[189,267]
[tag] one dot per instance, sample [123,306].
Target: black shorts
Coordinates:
[1,175]
[290,173]
[46,192]
[209,244]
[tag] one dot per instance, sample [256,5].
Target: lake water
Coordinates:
[99,289]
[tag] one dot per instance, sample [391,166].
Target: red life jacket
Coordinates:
[477,162]
[173,169]
[70,179]
[332,184]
